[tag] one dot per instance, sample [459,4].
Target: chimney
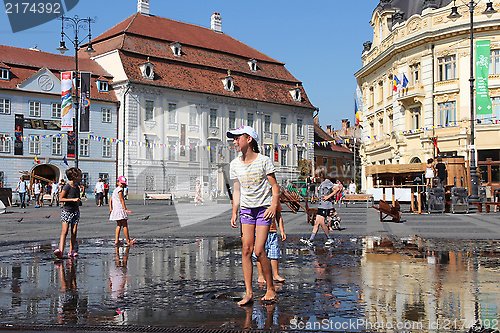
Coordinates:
[143,7]
[345,124]
[216,22]
[329,130]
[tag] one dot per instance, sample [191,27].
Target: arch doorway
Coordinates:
[415,160]
[48,171]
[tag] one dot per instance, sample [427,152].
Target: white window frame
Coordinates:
[494,62]
[172,150]
[4,106]
[84,147]
[193,115]
[149,110]
[103,86]
[56,110]
[300,127]
[414,74]
[149,152]
[300,154]
[4,74]
[34,144]
[267,150]
[193,154]
[56,145]
[267,123]
[250,119]
[283,126]
[5,143]
[415,114]
[172,113]
[213,117]
[106,148]
[35,109]
[447,110]
[447,68]
[106,115]
[232,119]
[283,157]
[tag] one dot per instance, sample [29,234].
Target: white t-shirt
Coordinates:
[352,188]
[55,187]
[22,186]
[254,186]
[99,187]
[37,188]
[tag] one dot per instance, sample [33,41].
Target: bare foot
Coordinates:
[279,279]
[270,296]
[248,299]
[261,280]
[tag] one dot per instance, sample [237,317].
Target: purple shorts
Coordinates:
[254,216]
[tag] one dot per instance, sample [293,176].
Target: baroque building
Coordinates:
[31,140]
[181,87]
[428,114]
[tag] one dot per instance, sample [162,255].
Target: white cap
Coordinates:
[243,130]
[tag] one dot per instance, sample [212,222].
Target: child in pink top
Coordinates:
[118,212]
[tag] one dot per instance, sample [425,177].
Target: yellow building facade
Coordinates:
[432,52]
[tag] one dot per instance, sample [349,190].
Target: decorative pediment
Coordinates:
[296,94]
[228,82]
[176,49]
[43,81]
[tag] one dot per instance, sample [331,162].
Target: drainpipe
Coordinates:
[433,102]
[123,130]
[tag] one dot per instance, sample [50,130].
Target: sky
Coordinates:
[320,41]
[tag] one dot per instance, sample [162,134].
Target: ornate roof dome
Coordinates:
[411,7]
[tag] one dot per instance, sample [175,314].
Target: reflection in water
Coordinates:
[355,285]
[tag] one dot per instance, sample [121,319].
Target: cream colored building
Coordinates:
[419,41]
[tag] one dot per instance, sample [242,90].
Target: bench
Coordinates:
[487,205]
[368,198]
[159,196]
[386,210]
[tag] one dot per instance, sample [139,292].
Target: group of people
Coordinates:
[256,202]
[435,170]
[313,189]
[38,189]
[70,214]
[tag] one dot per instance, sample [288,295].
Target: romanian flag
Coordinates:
[36,160]
[396,83]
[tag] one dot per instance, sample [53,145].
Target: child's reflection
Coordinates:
[118,273]
[68,298]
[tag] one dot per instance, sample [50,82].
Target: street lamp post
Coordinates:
[76,23]
[474,196]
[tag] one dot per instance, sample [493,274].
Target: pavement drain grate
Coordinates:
[123,328]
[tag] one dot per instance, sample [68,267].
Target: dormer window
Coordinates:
[228,82]
[176,49]
[147,70]
[103,86]
[252,63]
[296,94]
[4,74]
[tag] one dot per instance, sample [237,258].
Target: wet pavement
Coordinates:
[431,273]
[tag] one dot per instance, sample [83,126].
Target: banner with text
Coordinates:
[483,101]
[66,102]
[84,102]
[18,131]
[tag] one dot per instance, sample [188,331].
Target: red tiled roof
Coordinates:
[321,135]
[206,58]
[23,63]
[180,76]
[168,30]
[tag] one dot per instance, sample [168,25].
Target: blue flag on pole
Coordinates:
[65,161]
[405,81]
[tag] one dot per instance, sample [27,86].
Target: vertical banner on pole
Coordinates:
[66,102]
[71,144]
[483,101]
[18,130]
[183,140]
[84,101]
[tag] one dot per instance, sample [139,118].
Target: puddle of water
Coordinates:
[359,284]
